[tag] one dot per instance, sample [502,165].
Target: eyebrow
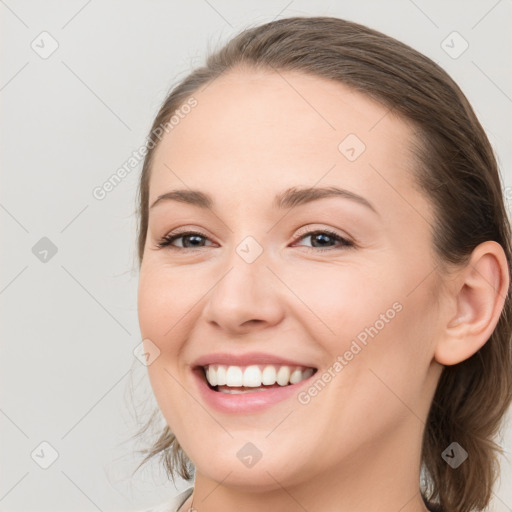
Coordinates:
[289,198]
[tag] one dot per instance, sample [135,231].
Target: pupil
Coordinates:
[321,236]
[192,237]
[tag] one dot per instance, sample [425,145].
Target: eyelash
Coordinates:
[167,240]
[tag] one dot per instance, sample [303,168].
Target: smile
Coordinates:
[244,390]
[253,378]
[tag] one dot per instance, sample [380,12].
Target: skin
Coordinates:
[356,445]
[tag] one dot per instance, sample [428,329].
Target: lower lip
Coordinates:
[245,402]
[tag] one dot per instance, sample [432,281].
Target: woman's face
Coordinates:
[344,284]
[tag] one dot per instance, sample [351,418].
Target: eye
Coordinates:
[324,237]
[190,240]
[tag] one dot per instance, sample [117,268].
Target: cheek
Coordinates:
[373,318]
[166,301]
[154,310]
[341,302]
[389,357]
[162,308]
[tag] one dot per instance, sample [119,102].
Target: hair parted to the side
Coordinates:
[456,169]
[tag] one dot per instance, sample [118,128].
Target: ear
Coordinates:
[475,301]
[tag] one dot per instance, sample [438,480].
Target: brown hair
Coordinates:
[458,172]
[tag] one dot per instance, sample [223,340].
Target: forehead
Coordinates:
[263,131]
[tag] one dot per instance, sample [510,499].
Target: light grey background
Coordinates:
[69,121]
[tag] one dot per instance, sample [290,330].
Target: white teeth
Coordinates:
[296,376]
[221,376]
[233,376]
[254,376]
[211,376]
[283,375]
[269,376]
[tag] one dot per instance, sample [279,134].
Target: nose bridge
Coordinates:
[245,292]
[250,250]
[246,268]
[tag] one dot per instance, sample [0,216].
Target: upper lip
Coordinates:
[247,359]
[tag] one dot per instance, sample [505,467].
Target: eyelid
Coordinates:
[315,228]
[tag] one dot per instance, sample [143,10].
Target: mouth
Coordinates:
[256,378]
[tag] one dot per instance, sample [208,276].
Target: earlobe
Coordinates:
[479,294]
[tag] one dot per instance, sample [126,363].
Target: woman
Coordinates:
[324,282]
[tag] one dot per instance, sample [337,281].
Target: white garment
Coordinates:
[174,504]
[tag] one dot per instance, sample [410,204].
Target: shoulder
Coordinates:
[171,505]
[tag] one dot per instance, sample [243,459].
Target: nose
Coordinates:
[248,297]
